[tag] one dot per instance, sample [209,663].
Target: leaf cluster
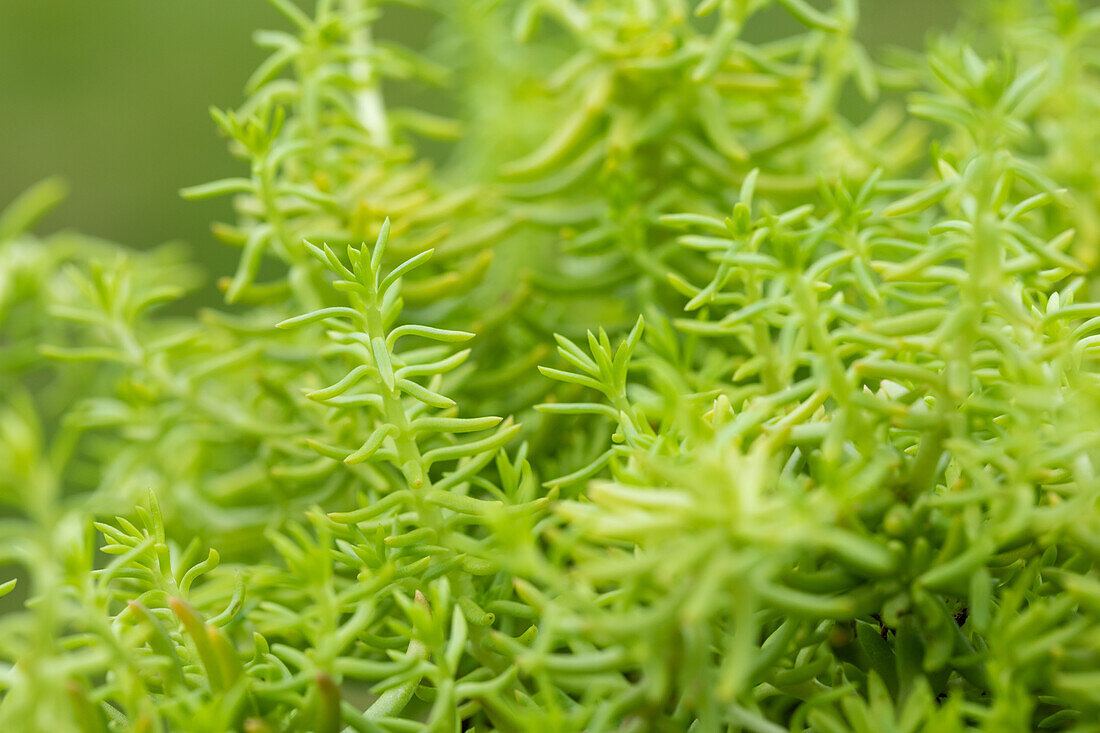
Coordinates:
[815,451]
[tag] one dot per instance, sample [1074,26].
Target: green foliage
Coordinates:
[825,460]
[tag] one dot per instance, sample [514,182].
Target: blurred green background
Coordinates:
[113,96]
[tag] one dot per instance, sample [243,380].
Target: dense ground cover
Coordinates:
[658,374]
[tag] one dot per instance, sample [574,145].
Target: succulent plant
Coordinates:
[664,388]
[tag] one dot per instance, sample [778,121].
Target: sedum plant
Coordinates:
[659,376]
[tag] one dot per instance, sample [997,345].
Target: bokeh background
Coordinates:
[112,95]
